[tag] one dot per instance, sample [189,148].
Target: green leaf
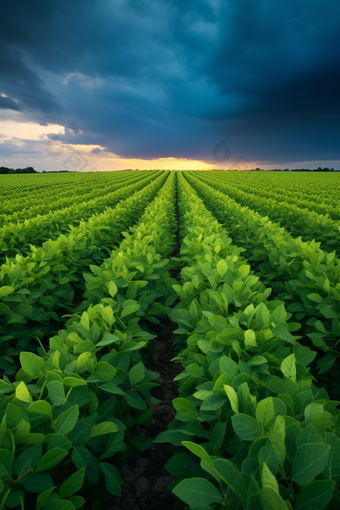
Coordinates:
[232,395]
[137,374]
[315,297]
[112,478]
[265,411]
[310,459]
[104,371]
[73,484]
[22,393]
[231,476]
[6,290]
[271,500]
[56,392]
[40,407]
[51,458]
[32,364]
[197,492]
[199,451]
[106,427]
[135,400]
[28,459]
[185,410]
[43,498]
[112,289]
[268,479]
[130,309]
[288,367]
[84,321]
[37,482]
[277,436]
[67,420]
[246,427]
[315,496]
[60,504]
[250,339]
[108,339]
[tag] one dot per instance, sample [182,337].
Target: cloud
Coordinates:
[6,103]
[150,80]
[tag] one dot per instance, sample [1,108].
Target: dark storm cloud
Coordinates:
[6,103]
[151,79]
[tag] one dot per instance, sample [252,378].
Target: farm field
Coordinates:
[170,340]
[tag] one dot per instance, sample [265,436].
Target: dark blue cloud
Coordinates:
[149,79]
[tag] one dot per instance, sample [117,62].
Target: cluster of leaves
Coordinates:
[300,221]
[30,205]
[317,203]
[306,278]
[74,407]
[18,237]
[264,435]
[34,288]
[138,266]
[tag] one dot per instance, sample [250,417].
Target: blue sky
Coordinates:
[155,84]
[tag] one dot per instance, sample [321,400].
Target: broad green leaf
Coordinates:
[56,392]
[136,374]
[250,339]
[246,427]
[22,393]
[315,496]
[232,395]
[37,482]
[135,400]
[43,498]
[231,476]
[84,321]
[40,407]
[112,478]
[28,459]
[6,290]
[265,411]
[112,288]
[51,458]
[310,460]
[199,451]
[32,364]
[288,367]
[197,492]
[73,484]
[277,435]
[104,371]
[185,410]
[106,427]
[67,420]
[271,500]
[268,479]
[60,504]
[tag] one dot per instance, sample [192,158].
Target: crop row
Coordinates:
[31,205]
[303,199]
[68,419]
[306,278]
[299,222]
[251,429]
[36,289]
[318,187]
[18,237]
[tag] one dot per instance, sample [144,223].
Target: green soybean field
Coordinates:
[170,340]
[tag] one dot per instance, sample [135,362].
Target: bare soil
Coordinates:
[145,477]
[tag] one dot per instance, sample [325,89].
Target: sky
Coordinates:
[113,84]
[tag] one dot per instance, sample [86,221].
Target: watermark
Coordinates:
[222,153]
[74,161]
